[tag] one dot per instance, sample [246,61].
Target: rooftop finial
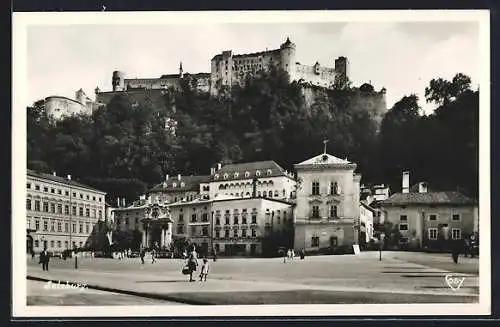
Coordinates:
[324,145]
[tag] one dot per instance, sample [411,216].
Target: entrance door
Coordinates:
[333,241]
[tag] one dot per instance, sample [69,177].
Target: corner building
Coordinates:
[327,213]
[60,213]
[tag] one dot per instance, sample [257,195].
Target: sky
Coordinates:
[400,56]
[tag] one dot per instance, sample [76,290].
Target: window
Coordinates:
[46,206]
[66,193]
[52,190]
[247,174]
[244,219]
[236,220]
[88,197]
[45,226]
[87,212]
[180,229]
[73,228]
[315,212]
[456,234]
[59,191]
[37,225]
[227,221]
[254,233]
[334,188]
[270,194]
[81,244]
[74,194]
[217,221]
[87,228]
[193,218]
[37,187]
[59,244]
[269,172]
[100,214]
[244,233]
[254,218]
[28,204]
[204,217]
[94,213]
[333,211]
[45,189]
[403,226]
[235,233]
[37,205]
[455,217]
[315,241]
[80,228]
[52,226]
[93,198]
[66,229]
[51,244]
[59,226]
[81,196]
[73,211]
[433,233]
[226,233]
[65,244]
[100,200]
[205,231]
[217,234]
[432,217]
[403,218]
[80,211]
[28,185]
[257,173]
[53,207]
[59,208]
[315,188]
[216,176]
[37,244]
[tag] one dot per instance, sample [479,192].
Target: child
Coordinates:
[204,270]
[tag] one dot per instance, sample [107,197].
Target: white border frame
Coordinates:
[21,21]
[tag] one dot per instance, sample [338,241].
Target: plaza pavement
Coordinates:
[319,279]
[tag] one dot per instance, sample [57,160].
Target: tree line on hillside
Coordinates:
[127,147]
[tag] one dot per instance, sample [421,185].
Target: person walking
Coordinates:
[292,254]
[204,270]
[44,259]
[455,251]
[143,254]
[153,255]
[192,265]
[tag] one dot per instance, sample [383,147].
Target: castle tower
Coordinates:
[287,57]
[118,81]
[341,71]
[80,96]
[181,71]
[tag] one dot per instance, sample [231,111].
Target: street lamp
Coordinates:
[382,236]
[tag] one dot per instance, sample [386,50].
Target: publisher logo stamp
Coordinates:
[454,282]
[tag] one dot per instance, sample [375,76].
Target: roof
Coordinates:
[251,167]
[60,179]
[324,159]
[186,183]
[429,198]
[367,206]
[170,76]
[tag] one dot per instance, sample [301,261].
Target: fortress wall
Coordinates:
[325,76]
[58,107]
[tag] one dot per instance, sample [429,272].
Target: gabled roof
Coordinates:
[60,179]
[238,171]
[428,198]
[186,183]
[324,159]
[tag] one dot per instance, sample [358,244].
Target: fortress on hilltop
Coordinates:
[227,70]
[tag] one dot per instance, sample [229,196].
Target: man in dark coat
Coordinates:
[44,259]
[455,250]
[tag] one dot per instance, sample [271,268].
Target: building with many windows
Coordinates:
[327,213]
[424,218]
[272,181]
[177,188]
[60,212]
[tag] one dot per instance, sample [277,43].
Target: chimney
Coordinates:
[69,177]
[167,177]
[406,182]
[212,171]
[123,202]
[117,202]
[219,166]
[54,173]
[178,177]
[422,187]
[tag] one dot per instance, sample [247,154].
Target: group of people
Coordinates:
[290,254]
[192,265]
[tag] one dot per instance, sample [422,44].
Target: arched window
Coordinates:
[236,175]
[216,176]
[248,194]
[257,173]
[269,172]
[221,187]
[182,184]
[270,194]
[276,193]
[259,194]
[174,185]
[247,174]
[226,176]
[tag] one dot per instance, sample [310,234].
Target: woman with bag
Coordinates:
[192,265]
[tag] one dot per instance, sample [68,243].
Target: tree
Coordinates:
[442,92]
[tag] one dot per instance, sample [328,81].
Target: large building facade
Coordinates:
[328,211]
[60,212]
[428,219]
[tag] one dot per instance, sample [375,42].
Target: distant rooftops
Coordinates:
[325,159]
[429,198]
[59,179]
[180,183]
[250,170]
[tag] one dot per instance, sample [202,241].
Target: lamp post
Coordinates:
[382,236]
